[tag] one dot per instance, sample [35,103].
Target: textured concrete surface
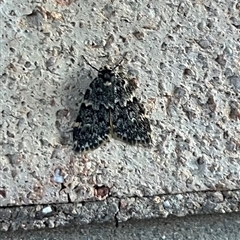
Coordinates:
[116,211]
[185,59]
[198,227]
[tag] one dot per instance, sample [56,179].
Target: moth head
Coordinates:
[105,73]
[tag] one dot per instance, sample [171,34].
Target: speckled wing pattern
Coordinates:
[129,122]
[109,108]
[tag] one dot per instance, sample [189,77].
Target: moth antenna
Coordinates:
[120,61]
[90,64]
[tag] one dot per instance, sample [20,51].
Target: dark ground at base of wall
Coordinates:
[217,226]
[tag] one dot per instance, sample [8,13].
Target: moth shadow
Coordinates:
[74,90]
[71,97]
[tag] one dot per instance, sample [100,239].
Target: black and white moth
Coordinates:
[110,108]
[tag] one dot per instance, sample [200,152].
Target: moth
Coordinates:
[110,109]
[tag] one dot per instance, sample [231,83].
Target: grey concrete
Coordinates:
[198,227]
[184,58]
[116,211]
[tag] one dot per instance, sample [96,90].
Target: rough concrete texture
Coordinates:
[185,59]
[198,227]
[117,211]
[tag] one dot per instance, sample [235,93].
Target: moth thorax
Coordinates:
[107,82]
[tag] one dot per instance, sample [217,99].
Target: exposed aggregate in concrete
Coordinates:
[185,60]
[115,211]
